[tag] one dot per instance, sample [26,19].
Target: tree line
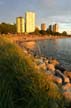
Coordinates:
[49,32]
[6,28]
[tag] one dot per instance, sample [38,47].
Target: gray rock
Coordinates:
[65,79]
[60,67]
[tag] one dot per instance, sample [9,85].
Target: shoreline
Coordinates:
[28,38]
[51,66]
[56,72]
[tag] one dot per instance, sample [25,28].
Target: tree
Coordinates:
[64,33]
[7,28]
[43,32]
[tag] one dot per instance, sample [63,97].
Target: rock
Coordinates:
[65,79]
[67,95]
[51,67]
[67,91]
[46,61]
[60,67]
[38,61]
[54,62]
[68,74]
[43,58]
[67,87]
[57,80]
[25,51]
[58,73]
[42,66]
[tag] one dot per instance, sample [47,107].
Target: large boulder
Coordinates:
[60,67]
[65,79]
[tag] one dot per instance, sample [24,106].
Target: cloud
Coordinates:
[55,7]
[61,18]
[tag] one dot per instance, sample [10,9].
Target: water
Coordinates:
[57,48]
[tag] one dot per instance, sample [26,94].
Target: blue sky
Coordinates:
[47,11]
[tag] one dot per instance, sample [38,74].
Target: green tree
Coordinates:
[64,33]
[7,28]
[42,32]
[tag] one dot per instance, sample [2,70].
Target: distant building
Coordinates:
[20,23]
[43,27]
[50,28]
[55,28]
[30,22]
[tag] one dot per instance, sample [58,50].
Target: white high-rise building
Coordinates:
[30,22]
[20,24]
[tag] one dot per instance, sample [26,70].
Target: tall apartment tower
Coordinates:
[55,28]
[30,22]
[43,27]
[20,24]
[50,28]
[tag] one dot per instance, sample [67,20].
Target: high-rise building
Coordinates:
[20,23]
[55,28]
[30,22]
[50,28]
[43,27]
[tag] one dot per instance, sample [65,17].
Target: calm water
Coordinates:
[59,48]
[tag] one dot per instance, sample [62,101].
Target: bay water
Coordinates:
[57,48]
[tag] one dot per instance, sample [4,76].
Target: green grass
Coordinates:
[21,86]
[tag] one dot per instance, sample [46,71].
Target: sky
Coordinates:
[47,11]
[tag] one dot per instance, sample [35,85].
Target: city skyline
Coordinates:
[47,11]
[27,23]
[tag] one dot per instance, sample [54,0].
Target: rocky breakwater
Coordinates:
[54,69]
[59,75]
[56,72]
